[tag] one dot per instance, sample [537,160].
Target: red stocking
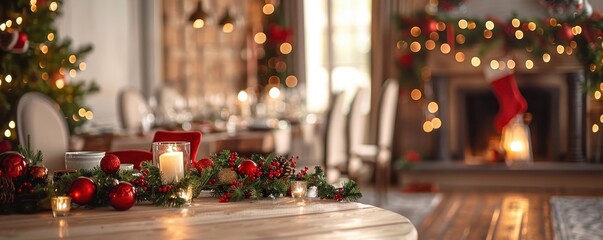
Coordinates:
[509,98]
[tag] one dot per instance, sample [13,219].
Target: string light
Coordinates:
[12,124]
[9,23]
[53,6]
[427,126]
[511,64]
[416,94]
[432,107]
[515,22]
[268,9]
[462,24]
[2,27]
[72,59]
[546,57]
[50,37]
[502,65]
[415,31]
[459,57]
[43,48]
[19,20]
[529,64]
[82,66]
[430,44]
[8,78]
[81,112]
[472,25]
[532,26]
[415,47]
[72,73]
[460,38]
[489,25]
[441,26]
[601,118]
[60,83]
[494,64]
[286,48]
[89,115]
[445,48]
[519,34]
[487,34]
[576,30]
[436,123]
[259,38]
[597,94]
[560,49]
[475,61]
[595,128]
[7,133]
[291,81]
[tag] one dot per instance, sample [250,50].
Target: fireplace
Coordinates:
[556,104]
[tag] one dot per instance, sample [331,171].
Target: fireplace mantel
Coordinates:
[444,68]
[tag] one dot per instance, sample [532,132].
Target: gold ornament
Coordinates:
[227,175]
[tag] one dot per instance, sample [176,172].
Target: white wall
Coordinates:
[112,27]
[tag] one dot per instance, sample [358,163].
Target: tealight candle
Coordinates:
[187,195]
[61,205]
[299,189]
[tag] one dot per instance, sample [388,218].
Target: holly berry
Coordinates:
[110,164]
[225,198]
[203,164]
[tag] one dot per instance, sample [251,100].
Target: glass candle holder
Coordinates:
[172,159]
[299,189]
[187,195]
[61,205]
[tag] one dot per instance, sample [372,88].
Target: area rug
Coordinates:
[415,206]
[577,217]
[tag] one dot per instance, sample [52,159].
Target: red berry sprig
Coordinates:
[275,170]
[164,189]
[212,181]
[302,173]
[232,160]
[339,195]
[25,187]
[225,197]
[140,182]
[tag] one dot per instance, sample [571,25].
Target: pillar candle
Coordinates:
[171,166]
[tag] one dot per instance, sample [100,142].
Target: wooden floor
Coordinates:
[470,214]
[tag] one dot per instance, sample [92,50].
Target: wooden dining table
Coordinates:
[207,219]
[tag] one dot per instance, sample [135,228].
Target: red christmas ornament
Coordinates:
[110,164]
[565,33]
[82,190]
[13,164]
[39,172]
[248,167]
[406,60]
[122,196]
[203,163]
[14,41]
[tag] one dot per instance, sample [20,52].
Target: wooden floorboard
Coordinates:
[496,214]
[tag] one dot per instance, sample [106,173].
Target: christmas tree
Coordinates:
[33,58]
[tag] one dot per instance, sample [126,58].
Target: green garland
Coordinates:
[150,188]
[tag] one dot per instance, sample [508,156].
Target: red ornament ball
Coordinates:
[13,164]
[82,190]
[110,163]
[122,196]
[38,172]
[203,164]
[248,167]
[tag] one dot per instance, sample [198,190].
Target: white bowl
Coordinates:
[83,160]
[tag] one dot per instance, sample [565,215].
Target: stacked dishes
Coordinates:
[83,160]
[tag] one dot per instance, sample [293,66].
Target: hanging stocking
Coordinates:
[510,100]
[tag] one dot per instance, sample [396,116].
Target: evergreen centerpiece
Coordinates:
[35,59]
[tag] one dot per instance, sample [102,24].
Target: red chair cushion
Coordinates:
[194,137]
[135,157]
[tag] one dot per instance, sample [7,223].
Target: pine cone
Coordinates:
[7,191]
[286,165]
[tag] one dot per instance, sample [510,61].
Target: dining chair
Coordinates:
[41,124]
[133,156]
[134,112]
[379,154]
[335,141]
[194,137]
[356,130]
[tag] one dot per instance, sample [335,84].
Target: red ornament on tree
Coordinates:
[248,167]
[122,196]
[39,172]
[203,164]
[13,164]
[110,164]
[82,190]
[565,33]
[14,41]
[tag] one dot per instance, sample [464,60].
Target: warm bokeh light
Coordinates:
[286,48]
[519,34]
[445,48]
[427,126]
[259,38]
[9,23]
[2,27]
[597,94]
[436,123]
[50,37]
[415,46]
[487,34]
[546,57]
[89,115]
[12,124]
[489,25]
[274,92]
[82,66]
[198,23]
[460,38]
[291,81]
[416,94]
[560,49]
[502,65]
[228,27]
[60,84]
[72,59]
[511,63]
[576,30]
[441,26]
[475,61]
[72,73]
[242,96]
[43,48]
[463,24]
[274,80]
[81,112]
[7,133]
[601,118]
[553,22]
[53,6]
[44,76]
[432,107]
[595,128]
[494,64]
[430,44]
[434,36]
[459,57]
[532,26]
[8,78]
[415,31]
[472,25]
[529,64]
[19,20]
[515,22]
[268,9]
